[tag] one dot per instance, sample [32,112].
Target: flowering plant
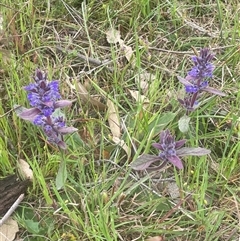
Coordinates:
[170,151]
[44,97]
[197,79]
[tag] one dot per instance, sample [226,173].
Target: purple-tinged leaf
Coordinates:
[214,91]
[184,81]
[29,114]
[180,143]
[62,145]
[190,78]
[66,130]
[176,161]
[193,151]
[62,103]
[157,146]
[159,167]
[143,162]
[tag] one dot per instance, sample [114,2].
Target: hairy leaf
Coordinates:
[193,151]
[143,162]
[28,114]
[184,81]
[214,91]
[176,161]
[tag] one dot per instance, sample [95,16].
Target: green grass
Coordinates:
[103,199]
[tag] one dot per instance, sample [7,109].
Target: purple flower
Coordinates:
[44,98]
[170,151]
[43,94]
[203,68]
[168,147]
[195,88]
[197,79]
[54,129]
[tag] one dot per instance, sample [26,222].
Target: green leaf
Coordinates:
[61,175]
[75,141]
[183,124]
[159,123]
[32,226]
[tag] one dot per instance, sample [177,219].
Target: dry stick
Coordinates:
[174,209]
[11,210]
[87,59]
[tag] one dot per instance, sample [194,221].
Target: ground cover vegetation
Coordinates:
[127,113]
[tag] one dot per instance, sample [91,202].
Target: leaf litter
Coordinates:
[115,127]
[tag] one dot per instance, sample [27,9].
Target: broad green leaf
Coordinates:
[32,226]
[75,141]
[159,123]
[61,175]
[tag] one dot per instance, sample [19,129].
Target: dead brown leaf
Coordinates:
[143,80]
[113,36]
[156,238]
[8,230]
[113,119]
[139,98]
[128,52]
[25,170]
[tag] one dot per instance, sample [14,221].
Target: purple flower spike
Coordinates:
[170,151]
[44,97]
[197,79]
[42,92]
[203,67]
[54,128]
[168,147]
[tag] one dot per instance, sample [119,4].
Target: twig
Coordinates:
[174,209]
[11,209]
[93,61]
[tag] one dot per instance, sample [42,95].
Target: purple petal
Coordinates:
[62,103]
[193,151]
[143,162]
[214,91]
[66,130]
[191,89]
[180,143]
[30,87]
[176,161]
[29,114]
